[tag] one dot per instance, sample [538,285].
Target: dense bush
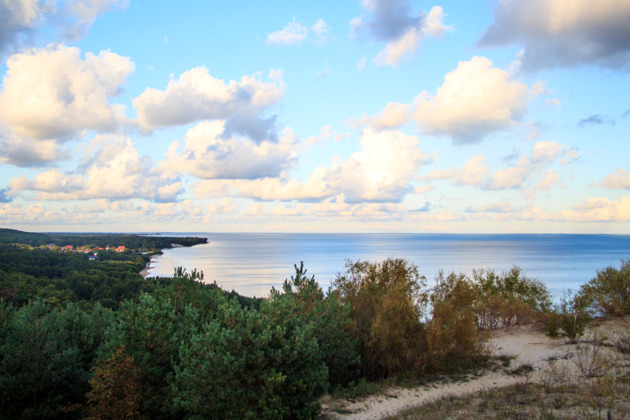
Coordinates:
[45,358]
[454,339]
[386,306]
[331,323]
[251,364]
[609,292]
[508,299]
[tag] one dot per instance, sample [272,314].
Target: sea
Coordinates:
[253,263]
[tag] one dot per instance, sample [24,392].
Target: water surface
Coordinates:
[252,263]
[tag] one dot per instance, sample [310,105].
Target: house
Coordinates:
[120,249]
[67,248]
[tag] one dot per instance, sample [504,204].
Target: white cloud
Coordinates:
[393,21]
[397,50]
[546,151]
[19,17]
[563,33]
[474,101]
[474,173]
[292,34]
[112,169]
[54,93]
[550,178]
[321,29]
[508,178]
[393,115]
[382,171]
[518,176]
[79,15]
[617,181]
[600,210]
[196,96]
[25,152]
[208,154]
[73,18]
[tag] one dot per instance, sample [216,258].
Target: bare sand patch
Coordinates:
[529,348]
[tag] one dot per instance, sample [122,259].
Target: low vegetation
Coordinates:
[92,339]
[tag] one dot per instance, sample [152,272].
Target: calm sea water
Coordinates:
[252,263]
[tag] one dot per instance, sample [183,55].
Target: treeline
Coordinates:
[180,348]
[29,269]
[135,242]
[63,277]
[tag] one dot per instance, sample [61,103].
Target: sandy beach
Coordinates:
[526,345]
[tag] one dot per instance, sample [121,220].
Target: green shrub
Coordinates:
[41,371]
[509,299]
[331,323]
[251,364]
[569,318]
[609,292]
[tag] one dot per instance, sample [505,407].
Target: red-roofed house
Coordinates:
[120,249]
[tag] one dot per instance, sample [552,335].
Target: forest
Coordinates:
[93,339]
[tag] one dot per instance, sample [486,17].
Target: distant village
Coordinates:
[87,250]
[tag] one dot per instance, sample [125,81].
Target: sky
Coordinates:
[509,116]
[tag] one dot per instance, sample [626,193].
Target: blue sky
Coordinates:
[358,116]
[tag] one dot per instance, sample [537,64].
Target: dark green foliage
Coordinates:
[42,367]
[251,364]
[151,330]
[59,277]
[331,323]
[609,292]
[136,242]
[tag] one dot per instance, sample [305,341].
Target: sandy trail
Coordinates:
[530,347]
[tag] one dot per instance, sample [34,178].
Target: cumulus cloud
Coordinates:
[550,178]
[54,93]
[381,172]
[292,34]
[600,210]
[393,115]
[79,15]
[26,152]
[474,172]
[112,169]
[21,19]
[563,33]
[208,154]
[393,22]
[617,181]
[542,155]
[196,96]
[397,50]
[475,100]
